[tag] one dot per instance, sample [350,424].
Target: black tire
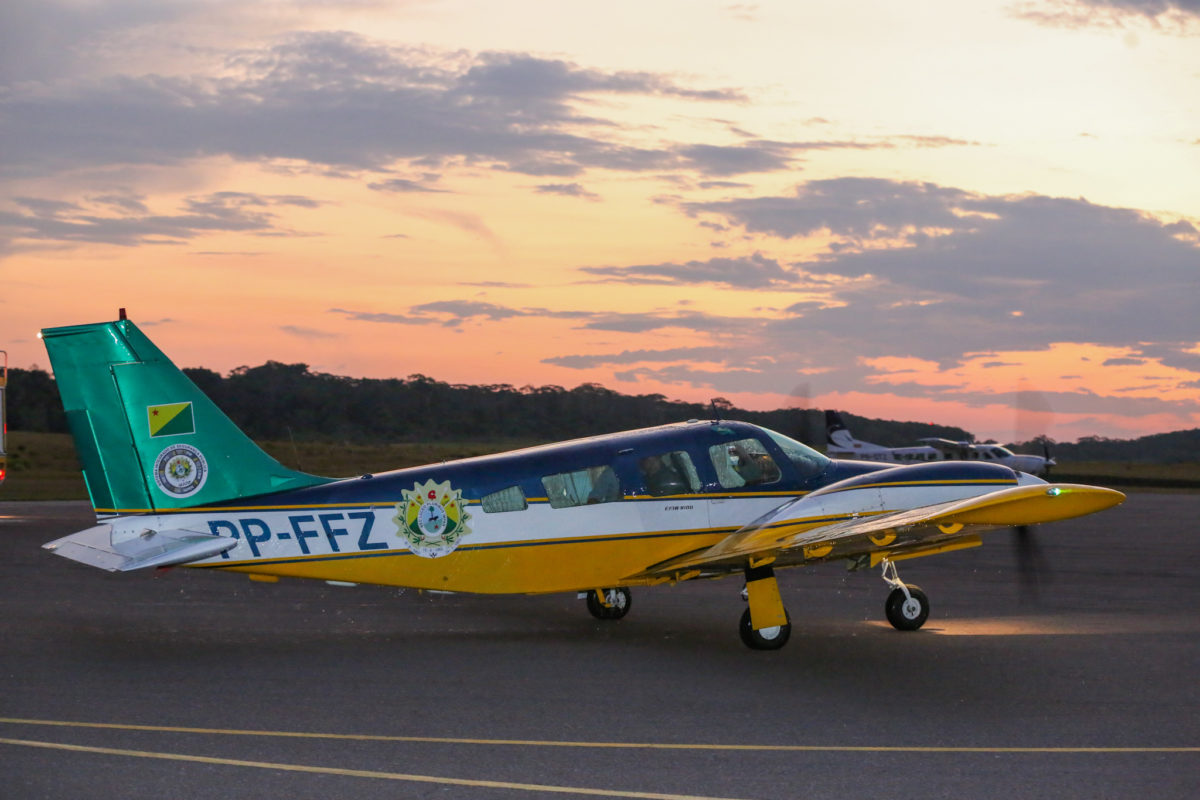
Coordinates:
[622,597]
[767,638]
[905,615]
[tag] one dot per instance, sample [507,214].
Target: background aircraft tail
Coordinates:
[147,438]
[836,432]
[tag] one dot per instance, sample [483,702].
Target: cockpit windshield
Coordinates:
[808,462]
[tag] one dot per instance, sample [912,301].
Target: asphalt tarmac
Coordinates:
[199,684]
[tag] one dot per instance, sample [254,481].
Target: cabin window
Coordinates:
[582,487]
[743,463]
[510,499]
[669,473]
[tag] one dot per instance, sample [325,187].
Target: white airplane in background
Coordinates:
[842,444]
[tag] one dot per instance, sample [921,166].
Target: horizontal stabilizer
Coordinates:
[98,547]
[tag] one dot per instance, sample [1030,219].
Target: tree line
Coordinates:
[277,401]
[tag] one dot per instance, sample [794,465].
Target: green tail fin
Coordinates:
[148,439]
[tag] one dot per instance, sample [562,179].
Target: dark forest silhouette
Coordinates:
[278,401]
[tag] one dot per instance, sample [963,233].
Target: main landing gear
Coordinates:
[609,603]
[765,625]
[907,606]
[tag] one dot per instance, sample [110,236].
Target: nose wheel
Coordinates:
[907,607]
[609,603]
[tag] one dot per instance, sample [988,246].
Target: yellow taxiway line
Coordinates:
[788,748]
[356,773]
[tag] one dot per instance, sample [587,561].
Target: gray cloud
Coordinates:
[1149,8]
[496,284]
[566,190]
[36,220]
[737,160]
[458,311]
[935,273]
[962,272]
[307,333]
[380,316]
[688,320]
[41,39]
[447,313]
[638,357]
[753,272]
[1171,354]
[1178,16]
[343,101]
[858,208]
[402,186]
[453,313]
[722,185]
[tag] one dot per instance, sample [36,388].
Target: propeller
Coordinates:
[1032,569]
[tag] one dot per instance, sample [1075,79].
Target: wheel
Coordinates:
[907,614]
[765,638]
[615,605]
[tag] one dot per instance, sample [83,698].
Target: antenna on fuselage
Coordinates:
[716,413]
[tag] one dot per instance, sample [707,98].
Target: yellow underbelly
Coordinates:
[518,568]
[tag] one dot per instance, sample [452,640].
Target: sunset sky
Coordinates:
[983,214]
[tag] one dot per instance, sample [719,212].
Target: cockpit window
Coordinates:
[669,473]
[597,484]
[743,463]
[808,462]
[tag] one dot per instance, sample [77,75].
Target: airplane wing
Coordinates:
[959,449]
[109,549]
[787,536]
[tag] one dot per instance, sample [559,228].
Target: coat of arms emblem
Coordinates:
[432,518]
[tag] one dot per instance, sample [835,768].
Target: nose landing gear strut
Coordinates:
[907,606]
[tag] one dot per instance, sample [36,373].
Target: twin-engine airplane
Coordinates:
[174,482]
[843,443]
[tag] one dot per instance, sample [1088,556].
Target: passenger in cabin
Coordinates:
[661,477]
[605,487]
[747,465]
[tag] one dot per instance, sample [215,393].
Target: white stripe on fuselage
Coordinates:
[301,533]
[331,532]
